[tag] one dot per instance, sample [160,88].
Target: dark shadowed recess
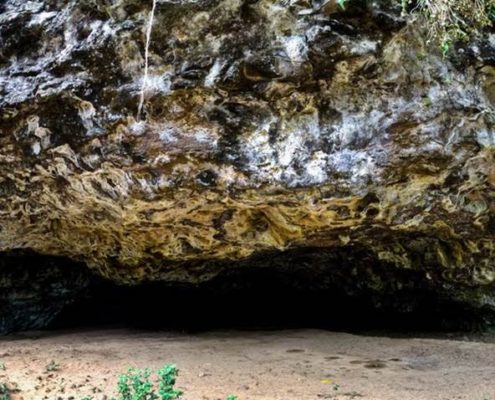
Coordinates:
[55,293]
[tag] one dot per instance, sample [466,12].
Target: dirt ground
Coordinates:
[269,365]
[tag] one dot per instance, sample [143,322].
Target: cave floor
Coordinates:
[284,364]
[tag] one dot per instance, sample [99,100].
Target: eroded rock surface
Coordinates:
[267,126]
[34,290]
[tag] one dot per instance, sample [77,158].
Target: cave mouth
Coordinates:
[264,300]
[44,292]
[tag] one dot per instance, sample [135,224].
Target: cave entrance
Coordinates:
[55,293]
[257,300]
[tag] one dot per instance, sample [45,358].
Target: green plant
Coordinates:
[52,366]
[168,374]
[4,392]
[135,385]
[450,21]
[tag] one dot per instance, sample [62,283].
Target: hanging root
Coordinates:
[146,61]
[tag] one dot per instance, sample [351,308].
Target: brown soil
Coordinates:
[274,365]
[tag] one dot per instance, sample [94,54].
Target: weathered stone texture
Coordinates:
[268,126]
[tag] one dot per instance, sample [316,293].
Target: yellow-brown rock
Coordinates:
[268,127]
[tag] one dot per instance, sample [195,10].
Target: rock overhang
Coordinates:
[268,127]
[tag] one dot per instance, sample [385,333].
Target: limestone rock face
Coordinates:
[268,127]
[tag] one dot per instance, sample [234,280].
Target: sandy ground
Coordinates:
[296,364]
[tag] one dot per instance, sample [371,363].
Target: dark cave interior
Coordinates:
[158,306]
[42,292]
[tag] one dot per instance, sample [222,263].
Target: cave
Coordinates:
[320,169]
[271,291]
[298,163]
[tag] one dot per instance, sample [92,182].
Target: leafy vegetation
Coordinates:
[449,21]
[4,392]
[136,385]
[168,375]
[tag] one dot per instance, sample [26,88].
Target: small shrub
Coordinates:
[4,392]
[135,385]
[168,375]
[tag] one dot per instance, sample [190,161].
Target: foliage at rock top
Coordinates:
[449,21]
